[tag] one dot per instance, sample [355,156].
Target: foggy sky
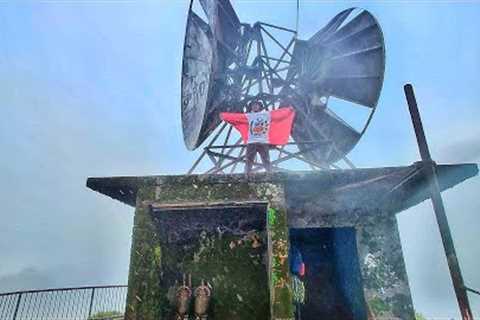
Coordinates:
[93,89]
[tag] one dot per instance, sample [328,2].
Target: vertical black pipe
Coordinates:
[258,38]
[17,305]
[429,169]
[91,302]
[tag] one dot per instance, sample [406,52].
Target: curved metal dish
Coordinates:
[345,60]
[203,70]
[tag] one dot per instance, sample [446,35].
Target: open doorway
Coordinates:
[224,245]
[332,280]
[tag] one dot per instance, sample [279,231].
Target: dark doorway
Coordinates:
[223,244]
[332,273]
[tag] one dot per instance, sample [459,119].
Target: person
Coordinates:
[260,129]
[257,128]
[297,269]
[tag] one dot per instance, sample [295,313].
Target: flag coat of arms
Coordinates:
[270,127]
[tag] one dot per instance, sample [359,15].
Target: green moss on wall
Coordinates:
[280,277]
[144,298]
[378,306]
[245,285]
[233,267]
[197,192]
[383,268]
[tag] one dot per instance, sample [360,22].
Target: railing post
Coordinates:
[91,302]
[17,306]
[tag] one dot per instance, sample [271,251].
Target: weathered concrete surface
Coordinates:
[392,188]
[363,199]
[211,245]
[248,282]
[385,281]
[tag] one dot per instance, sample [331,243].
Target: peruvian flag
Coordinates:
[270,127]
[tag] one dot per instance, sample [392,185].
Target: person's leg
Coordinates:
[264,151]
[250,157]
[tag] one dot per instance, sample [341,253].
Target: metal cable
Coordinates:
[297,19]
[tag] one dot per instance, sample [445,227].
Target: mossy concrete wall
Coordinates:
[386,288]
[365,199]
[246,284]
[384,279]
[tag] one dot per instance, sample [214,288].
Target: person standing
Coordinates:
[260,129]
[257,129]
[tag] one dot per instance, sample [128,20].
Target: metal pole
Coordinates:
[297,19]
[17,305]
[91,303]
[259,54]
[471,290]
[205,151]
[429,169]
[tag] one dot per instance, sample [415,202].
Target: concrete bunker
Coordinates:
[350,212]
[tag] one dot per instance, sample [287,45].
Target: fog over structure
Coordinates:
[88,91]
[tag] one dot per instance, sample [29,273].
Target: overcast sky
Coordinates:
[92,88]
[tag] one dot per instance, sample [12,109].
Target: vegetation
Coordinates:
[106,315]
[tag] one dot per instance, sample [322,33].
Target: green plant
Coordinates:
[106,315]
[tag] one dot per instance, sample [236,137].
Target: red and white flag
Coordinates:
[270,127]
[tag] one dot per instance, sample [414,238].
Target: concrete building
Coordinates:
[235,232]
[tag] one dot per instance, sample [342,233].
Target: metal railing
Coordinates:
[80,303]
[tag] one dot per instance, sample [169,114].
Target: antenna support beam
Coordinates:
[429,168]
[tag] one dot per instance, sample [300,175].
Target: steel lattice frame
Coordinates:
[227,64]
[256,74]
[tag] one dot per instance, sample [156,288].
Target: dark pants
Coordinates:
[263,150]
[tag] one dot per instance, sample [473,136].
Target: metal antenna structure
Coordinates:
[227,64]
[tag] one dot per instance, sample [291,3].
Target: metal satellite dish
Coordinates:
[226,64]
[343,60]
[205,57]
